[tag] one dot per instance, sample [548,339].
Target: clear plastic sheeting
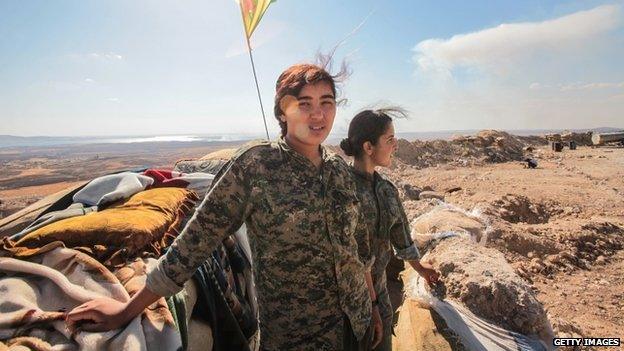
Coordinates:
[474,333]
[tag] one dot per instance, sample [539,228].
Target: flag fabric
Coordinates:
[252,11]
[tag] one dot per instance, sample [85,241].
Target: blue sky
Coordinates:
[162,67]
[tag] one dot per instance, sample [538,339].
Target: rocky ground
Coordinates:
[560,226]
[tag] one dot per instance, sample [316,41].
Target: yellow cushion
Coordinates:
[141,220]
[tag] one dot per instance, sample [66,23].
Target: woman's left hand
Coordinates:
[428,273]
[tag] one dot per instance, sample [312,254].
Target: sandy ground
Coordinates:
[571,205]
[29,174]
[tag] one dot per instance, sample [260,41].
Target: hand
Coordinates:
[377,327]
[101,314]
[428,273]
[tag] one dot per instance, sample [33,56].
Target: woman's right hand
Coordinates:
[98,315]
[377,327]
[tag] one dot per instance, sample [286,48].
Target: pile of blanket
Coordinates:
[39,287]
[100,242]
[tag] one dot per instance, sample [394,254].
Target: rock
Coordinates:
[430,195]
[601,260]
[410,191]
[452,190]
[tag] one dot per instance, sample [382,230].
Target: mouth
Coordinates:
[316,128]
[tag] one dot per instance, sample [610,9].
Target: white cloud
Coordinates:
[536,86]
[96,56]
[577,86]
[508,43]
[106,56]
[591,86]
[89,80]
[113,99]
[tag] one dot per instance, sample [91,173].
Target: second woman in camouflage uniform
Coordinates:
[299,204]
[382,226]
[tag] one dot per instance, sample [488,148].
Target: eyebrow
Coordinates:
[327,96]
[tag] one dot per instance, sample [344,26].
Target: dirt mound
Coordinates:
[543,251]
[483,281]
[580,139]
[487,146]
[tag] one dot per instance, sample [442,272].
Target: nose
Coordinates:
[317,113]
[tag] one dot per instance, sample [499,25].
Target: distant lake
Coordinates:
[38,141]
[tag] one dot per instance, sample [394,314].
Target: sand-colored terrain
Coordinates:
[560,226]
[29,174]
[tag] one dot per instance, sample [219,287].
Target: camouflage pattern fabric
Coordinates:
[382,228]
[301,222]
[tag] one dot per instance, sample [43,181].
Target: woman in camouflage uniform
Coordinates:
[382,226]
[299,204]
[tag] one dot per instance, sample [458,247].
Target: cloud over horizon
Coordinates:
[559,72]
[510,42]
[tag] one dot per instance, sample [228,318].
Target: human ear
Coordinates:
[368,148]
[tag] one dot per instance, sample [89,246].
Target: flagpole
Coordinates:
[253,68]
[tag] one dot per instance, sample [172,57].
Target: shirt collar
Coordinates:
[369,177]
[283,145]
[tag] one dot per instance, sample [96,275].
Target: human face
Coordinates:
[386,146]
[310,116]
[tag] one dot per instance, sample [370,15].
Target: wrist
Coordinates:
[418,267]
[129,311]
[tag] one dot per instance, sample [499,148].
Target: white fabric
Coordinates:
[475,333]
[112,187]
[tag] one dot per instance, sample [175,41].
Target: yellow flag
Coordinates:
[252,11]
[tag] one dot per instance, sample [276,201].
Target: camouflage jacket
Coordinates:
[382,228]
[300,223]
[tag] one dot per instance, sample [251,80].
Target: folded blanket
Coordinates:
[145,223]
[74,210]
[21,219]
[37,290]
[111,188]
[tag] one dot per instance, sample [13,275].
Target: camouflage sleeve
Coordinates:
[222,212]
[363,239]
[400,238]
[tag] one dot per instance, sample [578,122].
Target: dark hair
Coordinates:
[295,77]
[369,125]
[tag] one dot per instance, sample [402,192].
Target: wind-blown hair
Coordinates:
[369,125]
[295,77]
